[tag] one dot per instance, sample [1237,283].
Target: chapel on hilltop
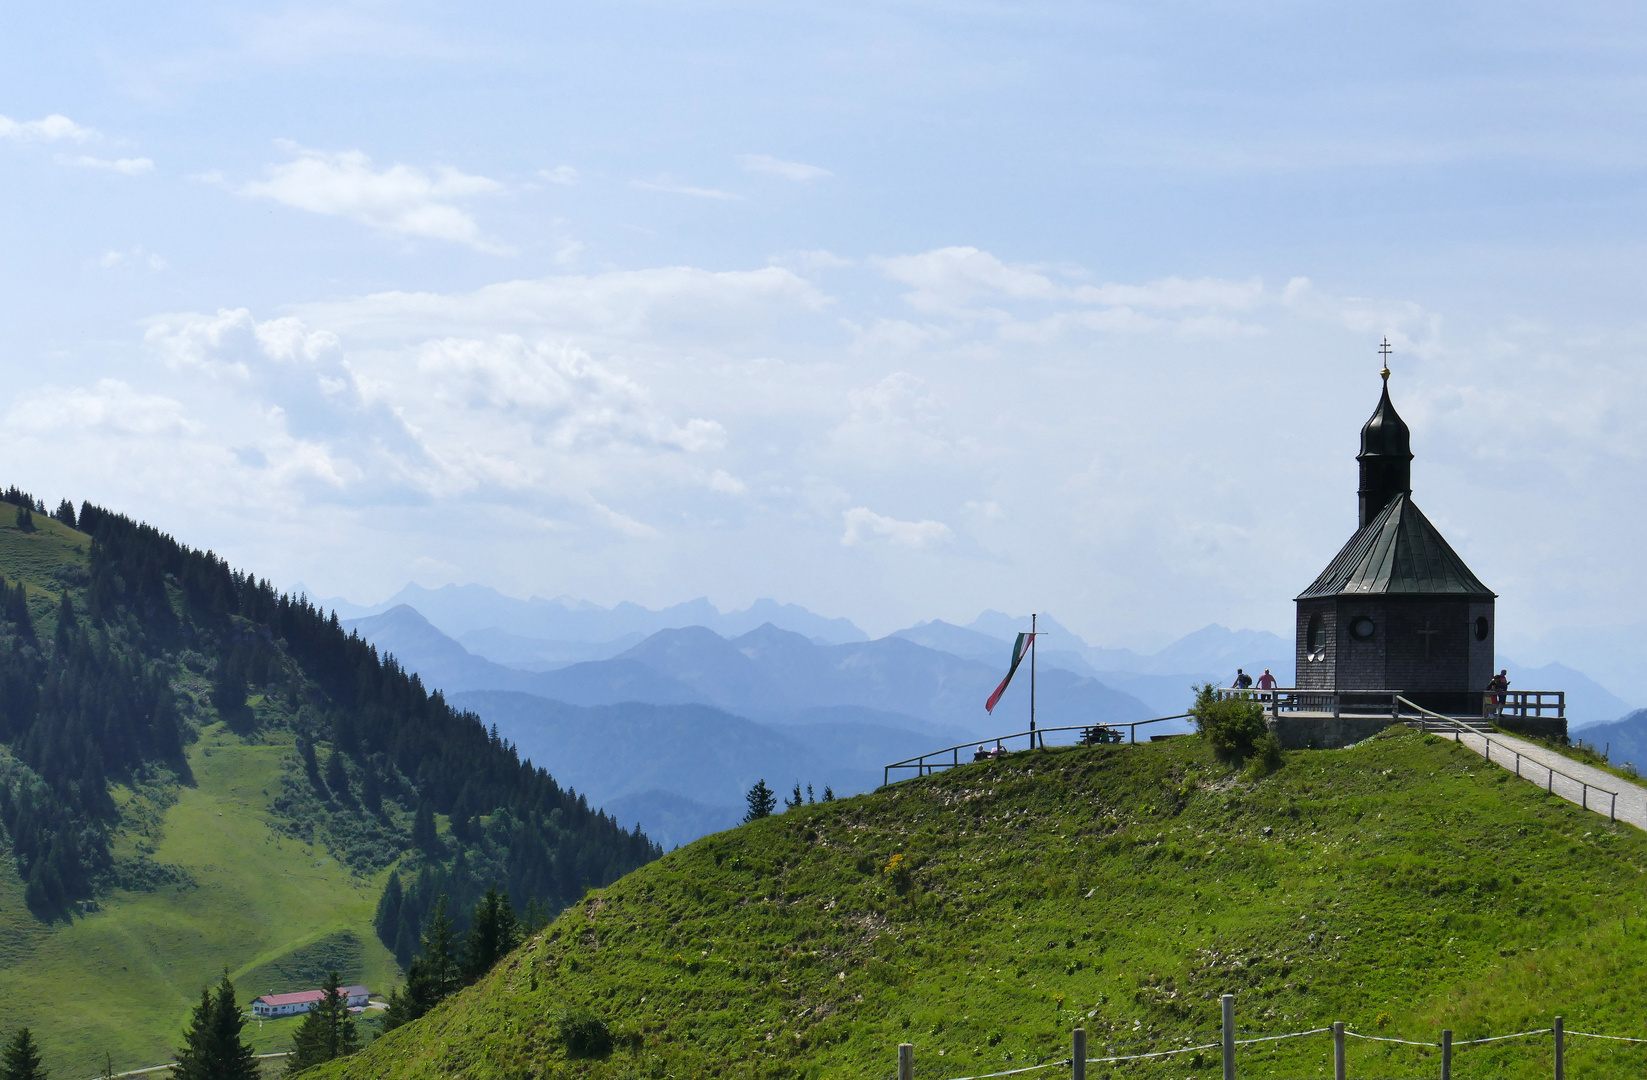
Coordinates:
[1396,609]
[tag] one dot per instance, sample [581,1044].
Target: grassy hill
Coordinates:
[121,980]
[1403,886]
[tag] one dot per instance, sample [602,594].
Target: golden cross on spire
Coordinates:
[1384,351]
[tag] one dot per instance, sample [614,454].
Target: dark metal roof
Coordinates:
[1398,552]
[1385,434]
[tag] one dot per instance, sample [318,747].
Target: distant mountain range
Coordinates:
[1624,740]
[1588,702]
[765,674]
[464,609]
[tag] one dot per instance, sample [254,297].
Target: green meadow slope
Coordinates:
[1402,886]
[272,909]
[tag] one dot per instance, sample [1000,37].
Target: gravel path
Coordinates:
[1546,768]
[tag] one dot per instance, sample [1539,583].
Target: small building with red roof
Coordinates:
[275,1005]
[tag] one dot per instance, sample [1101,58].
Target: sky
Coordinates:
[899,311]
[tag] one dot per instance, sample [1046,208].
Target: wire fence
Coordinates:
[1077,1060]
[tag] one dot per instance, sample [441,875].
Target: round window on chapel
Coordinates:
[1362,629]
[1481,628]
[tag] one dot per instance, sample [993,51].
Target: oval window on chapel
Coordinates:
[1481,628]
[1312,634]
[1362,628]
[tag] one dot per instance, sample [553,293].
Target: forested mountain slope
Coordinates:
[119,648]
[1402,886]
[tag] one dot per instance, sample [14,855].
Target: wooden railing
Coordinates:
[1427,720]
[1292,699]
[926,764]
[1521,704]
[1537,703]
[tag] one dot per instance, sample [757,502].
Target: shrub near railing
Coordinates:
[1234,726]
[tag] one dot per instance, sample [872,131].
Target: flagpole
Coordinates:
[1032,618]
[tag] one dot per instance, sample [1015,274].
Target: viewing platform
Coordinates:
[1330,719]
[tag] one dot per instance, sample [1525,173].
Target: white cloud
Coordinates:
[950,280]
[560,174]
[724,482]
[113,259]
[232,342]
[671,188]
[863,525]
[814,260]
[768,165]
[288,405]
[1177,293]
[124,166]
[989,509]
[946,280]
[53,128]
[627,306]
[892,422]
[401,199]
[112,407]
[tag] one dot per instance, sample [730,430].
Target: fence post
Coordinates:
[1446,1054]
[1228,1001]
[1560,1047]
[1078,1055]
[906,1061]
[1338,1072]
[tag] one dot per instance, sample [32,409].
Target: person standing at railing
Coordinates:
[1266,681]
[1496,686]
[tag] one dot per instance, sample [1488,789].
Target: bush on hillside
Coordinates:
[1234,726]
[584,1035]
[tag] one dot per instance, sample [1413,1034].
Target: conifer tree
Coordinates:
[66,622]
[387,920]
[371,789]
[311,767]
[762,801]
[494,933]
[337,778]
[25,520]
[212,1047]
[424,836]
[21,1060]
[327,1030]
[534,918]
[431,977]
[65,513]
[17,610]
[794,799]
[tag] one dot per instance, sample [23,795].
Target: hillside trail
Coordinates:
[1536,767]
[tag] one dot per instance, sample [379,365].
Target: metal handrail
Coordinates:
[1461,728]
[924,767]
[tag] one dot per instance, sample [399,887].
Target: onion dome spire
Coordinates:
[1386,452]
